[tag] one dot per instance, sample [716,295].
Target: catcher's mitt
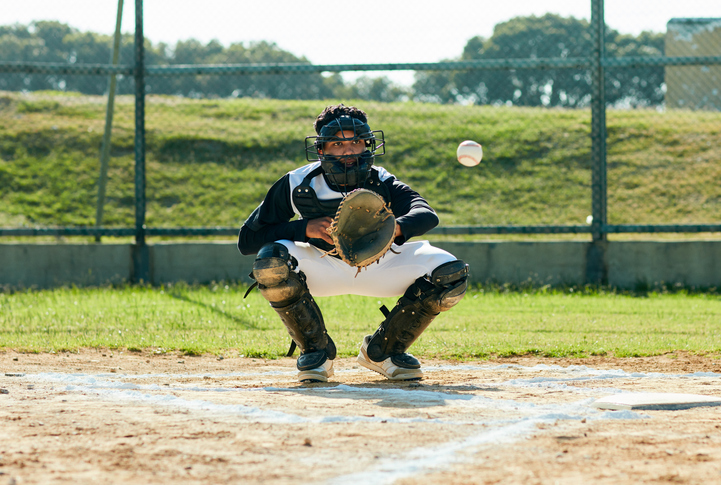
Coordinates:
[363,228]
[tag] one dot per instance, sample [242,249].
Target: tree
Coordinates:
[638,86]
[435,86]
[549,36]
[59,43]
[372,89]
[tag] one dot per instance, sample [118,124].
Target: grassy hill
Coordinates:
[209,162]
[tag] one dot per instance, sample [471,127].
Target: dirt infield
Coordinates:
[109,417]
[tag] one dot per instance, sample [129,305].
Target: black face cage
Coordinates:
[374,141]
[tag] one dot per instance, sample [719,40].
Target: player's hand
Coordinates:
[318,229]
[398,233]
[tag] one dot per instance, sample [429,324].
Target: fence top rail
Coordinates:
[300,68]
[661,61]
[64,68]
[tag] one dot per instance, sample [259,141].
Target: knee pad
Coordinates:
[273,270]
[445,287]
[450,281]
[272,264]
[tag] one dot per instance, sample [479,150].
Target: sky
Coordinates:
[383,31]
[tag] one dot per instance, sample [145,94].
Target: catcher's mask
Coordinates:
[339,173]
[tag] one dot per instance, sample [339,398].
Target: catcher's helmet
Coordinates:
[338,172]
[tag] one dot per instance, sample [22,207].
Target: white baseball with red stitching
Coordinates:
[469,153]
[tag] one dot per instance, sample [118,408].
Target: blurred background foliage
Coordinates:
[547,36]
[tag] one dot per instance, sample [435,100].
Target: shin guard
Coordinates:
[415,310]
[288,295]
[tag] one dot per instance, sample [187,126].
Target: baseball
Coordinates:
[469,153]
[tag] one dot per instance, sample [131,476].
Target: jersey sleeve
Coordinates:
[271,220]
[412,212]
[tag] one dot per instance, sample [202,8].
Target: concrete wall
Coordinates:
[198,263]
[541,263]
[49,265]
[691,263]
[627,264]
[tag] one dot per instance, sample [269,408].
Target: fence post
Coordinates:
[596,268]
[107,134]
[141,252]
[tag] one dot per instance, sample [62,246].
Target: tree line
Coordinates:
[548,36]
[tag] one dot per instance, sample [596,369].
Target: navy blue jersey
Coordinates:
[278,218]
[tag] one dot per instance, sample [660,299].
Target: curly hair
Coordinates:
[332,112]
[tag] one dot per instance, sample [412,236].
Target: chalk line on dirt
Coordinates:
[526,416]
[120,391]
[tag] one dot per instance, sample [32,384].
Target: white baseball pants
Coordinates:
[391,276]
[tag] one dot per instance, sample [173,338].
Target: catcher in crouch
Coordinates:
[295,258]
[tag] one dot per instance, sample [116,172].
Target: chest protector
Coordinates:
[310,207]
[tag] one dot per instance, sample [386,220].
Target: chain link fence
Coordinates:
[572,113]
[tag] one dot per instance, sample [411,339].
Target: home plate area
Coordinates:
[249,421]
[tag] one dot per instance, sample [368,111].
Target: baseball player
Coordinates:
[289,268]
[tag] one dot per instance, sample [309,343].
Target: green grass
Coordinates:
[488,322]
[209,162]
